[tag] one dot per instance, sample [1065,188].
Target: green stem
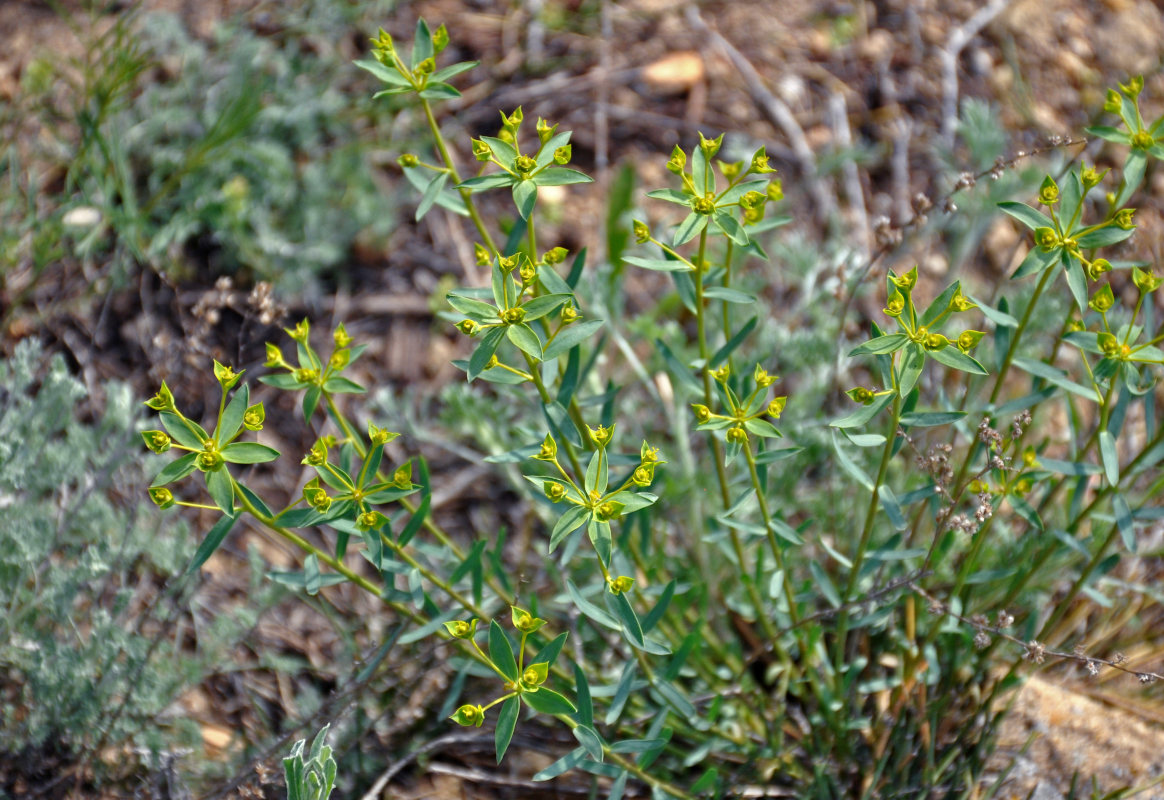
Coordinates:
[466,195]
[544,393]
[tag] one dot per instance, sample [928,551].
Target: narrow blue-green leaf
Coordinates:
[1055,376]
[560,176]
[892,507]
[312,580]
[501,651]
[471,307]
[249,453]
[590,610]
[422,47]
[1123,515]
[1027,215]
[546,152]
[549,653]
[524,338]
[221,490]
[452,70]
[569,522]
[1077,283]
[506,723]
[179,431]
[590,740]
[311,401]
[548,701]
[539,307]
[1000,318]
[1109,133]
[849,466]
[431,193]
[211,542]
[485,182]
[484,351]
[585,704]
[728,295]
[338,384]
[1075,468]
[525,197]
[413,526]
[882,344]
[1134,168]
[721,355]
[1035,262]
[930,419]
[570,337]
[630,620]
[502,149]
[622,693]
[175,470]
[1104,237]
[562,765]
[731,227]
[1111,460]
[656,614]
[912,362]
[658,264]
[232,416]
[955,359]
[671,196]
[824,583]
[1026,511]
[689,228]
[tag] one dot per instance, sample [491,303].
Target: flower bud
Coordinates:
[642,232]
[762,378]
[730,171]
[225,375]
[469,716]
[209,459]
[752,199]
[710,146]
[569,313]
[527,273]
[481,150]
[305,375]
[548,451]
[621,584]
[753,215]
[649,455]
[535,675]
[1142,140]
[162,497]
[1145,281]
[895,305]
[254,417]
[523,165]
[775,191]
[935,341]
[960,302]
[906,281]
[1030,459]
[370,521]
[1090,177]
[1102,300]
[163,401]
[703,205]
[1046,239]
[340,336]
[513,316]
[545,130]
[340,359]
[601,435]
[737,435]
[554,491]
[760,162]
[555,256]
[861,395]
[776,407]
[300,332]
[274,357]
[317,455]
[1133,87]
[1049,192]
[968,340]
[492,362]
[1123,219]
[610,510]
[722,374]
[408,160]
[643,476]
[459,629]
[425,68]
[379,436]
[508,263]
[562,155]
[513,121]
[702,413]
[468,327]
[440,38]
[678,160]
[1097,268]
[1109,344]
[402,477]
[1112,103]
[524,621]
[157,441]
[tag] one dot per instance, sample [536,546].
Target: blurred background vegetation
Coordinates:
[179,179]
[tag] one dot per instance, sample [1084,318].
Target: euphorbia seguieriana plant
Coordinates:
[796,656]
